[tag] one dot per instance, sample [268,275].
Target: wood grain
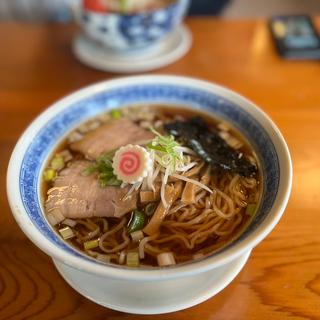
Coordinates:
[282,278]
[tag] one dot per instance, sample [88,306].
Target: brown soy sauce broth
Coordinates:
[170,113]
[167,113]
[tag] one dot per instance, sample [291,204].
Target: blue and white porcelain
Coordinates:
[132,31]
[156,290]
[167,51]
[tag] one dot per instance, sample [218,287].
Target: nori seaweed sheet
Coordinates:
[207,143]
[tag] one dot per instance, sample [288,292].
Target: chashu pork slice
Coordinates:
[111,136]
[76,196]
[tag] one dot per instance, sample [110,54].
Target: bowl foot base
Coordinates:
[153,297]
[161,54]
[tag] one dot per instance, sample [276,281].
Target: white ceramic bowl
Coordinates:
[157,290]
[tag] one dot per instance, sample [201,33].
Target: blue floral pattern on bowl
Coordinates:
[46,139]
[134,31]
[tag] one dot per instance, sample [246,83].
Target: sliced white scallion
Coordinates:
[187,167]
[149,181]
[166,259]
[66,233]
[185,150]
[133,259]
[69,222]
[170,158]
[57,163]
[134,187]
[137,236]
[123,185]
[91,244]
[153,177]
[93,233]
[197,183]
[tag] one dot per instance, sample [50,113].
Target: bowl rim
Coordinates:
[132,14]
[195,267]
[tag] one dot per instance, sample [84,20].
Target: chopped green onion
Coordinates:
[91,244]
[137,236]
[112,181]
[115,114]
[250,209]
[107,157]
[137,221]
[133,259]
[57,163]
[150,209]
[103,166]
[66,233]
[89,170]
[157,148]
[163,143]
[166,151]
[49,175]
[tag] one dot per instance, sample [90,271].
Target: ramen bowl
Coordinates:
[160,289]
[139,30]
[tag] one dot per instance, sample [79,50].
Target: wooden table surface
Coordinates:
[282,277]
